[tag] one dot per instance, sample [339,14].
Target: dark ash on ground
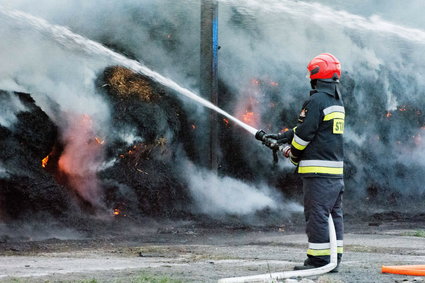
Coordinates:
[190,253]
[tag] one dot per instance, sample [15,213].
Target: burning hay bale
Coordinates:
[124,83]
[150,127]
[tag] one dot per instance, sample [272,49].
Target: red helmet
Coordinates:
[324,66]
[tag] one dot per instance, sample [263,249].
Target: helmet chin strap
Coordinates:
[313,83]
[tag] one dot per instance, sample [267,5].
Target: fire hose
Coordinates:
[275,277]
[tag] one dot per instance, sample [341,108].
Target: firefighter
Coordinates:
[317,151]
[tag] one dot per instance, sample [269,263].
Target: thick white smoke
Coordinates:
[147,29]
[218,196]
[129,136]
[272,38]
[3,172]
[10,105]
[392,10]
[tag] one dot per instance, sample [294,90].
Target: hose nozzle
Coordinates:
[259,135]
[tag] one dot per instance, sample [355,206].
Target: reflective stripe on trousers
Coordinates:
[323,249]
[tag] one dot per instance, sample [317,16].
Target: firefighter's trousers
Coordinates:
[321,197]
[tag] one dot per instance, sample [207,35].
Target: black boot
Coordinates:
[308,265]
[304,267]
[335,270]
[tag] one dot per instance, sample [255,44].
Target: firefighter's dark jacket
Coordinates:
[317,145]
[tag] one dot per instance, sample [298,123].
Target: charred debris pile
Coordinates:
[142,177]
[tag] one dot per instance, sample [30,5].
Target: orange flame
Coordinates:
[249,118]
[45,161]
[285,130]
[117,212]
[82,157]
[248,107]
[99,140]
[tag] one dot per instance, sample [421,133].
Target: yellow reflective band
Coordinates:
[319,252]
[293,162]
[324,252]
[334,115]
[297,145]
[317,169]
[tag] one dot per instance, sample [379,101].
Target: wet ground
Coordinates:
[186,253]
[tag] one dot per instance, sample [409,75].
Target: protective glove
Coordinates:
[282,138]
[272,136]
[271,143]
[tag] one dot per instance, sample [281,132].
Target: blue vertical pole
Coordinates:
[209,66]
